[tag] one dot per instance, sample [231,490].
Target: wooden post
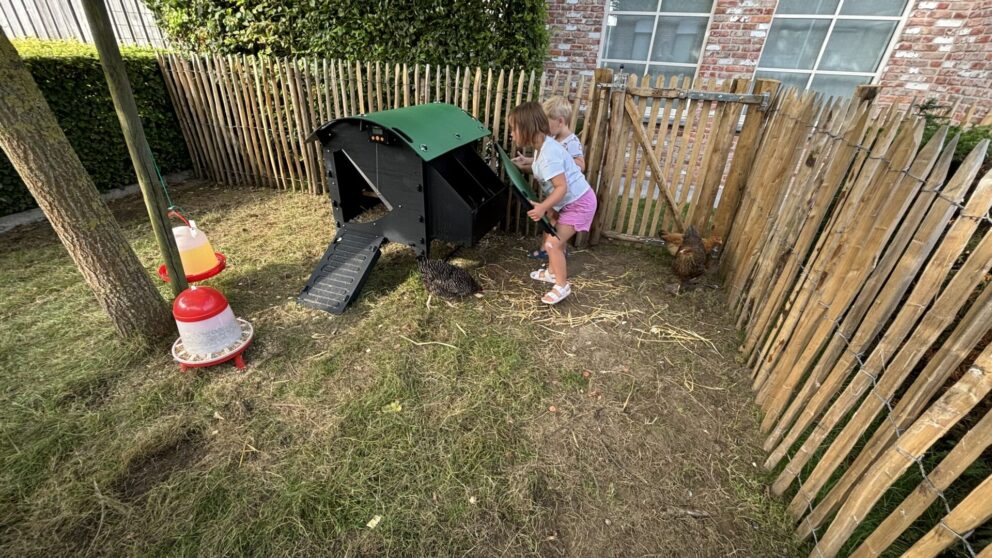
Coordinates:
[134,135]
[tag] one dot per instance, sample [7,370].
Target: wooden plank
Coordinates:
[488,105]
[625,148]
[597,143]
[968,449]
[669,135]
[406,86]
[333,85]
[737,260]
[310,113]
[248,78]
[370,86]
[291,112]
[926,290]
[497,113]
[341,77]
[965,338]
[268,124]
[466,77]
[876,303]
[710,126]
[620,138]
[680,161]
[232,82]
[396,86]
[778,353]
[837,294]
[715,162]
[182,114]
[629,189]
[939,418]
[833,164]
[234,121]
[274,104]
[970,514]
[416,85]
[215,118]
[744,152]
[359,86]
[655,127]
[200,112]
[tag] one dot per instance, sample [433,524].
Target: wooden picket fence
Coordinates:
[857,268]
[246,121]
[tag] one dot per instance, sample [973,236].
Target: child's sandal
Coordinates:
[557,294]
[543,275]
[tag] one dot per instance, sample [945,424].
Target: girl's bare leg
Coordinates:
[556,253]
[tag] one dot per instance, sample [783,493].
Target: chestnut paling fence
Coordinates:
[856,262]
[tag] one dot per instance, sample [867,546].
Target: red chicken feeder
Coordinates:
[209,333]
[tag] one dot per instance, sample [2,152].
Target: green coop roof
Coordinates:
[431,129]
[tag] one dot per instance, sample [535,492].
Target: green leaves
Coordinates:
[456,32]
[71,79]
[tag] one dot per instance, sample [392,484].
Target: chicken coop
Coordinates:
[418,172]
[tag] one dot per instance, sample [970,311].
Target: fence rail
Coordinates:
[132,21]
[858,269]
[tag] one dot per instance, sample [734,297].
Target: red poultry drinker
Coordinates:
[208,331]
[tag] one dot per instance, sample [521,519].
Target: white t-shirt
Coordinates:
[572,145]
[553,160]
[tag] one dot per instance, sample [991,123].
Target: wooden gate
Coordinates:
[674,157]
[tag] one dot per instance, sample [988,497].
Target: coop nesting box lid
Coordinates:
[430,130]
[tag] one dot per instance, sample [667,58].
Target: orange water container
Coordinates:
[197,255]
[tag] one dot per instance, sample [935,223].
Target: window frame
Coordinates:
[602,60]
[883,63]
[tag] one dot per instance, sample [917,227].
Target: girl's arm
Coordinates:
[560,188]
[581,162]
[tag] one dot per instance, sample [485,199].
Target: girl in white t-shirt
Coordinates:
[565,188]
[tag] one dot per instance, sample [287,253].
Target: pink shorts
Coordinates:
[579,214]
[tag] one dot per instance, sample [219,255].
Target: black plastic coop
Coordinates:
[421,165]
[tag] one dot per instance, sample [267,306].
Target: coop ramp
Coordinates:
[338,278]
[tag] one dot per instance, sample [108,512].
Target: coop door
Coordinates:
[361,199]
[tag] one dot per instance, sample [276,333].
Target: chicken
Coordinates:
[673,241]
[692,258]
[446,280]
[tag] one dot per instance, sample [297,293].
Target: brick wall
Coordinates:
[944,52]
[737,33]
[576,28]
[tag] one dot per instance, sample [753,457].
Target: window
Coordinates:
[829,46]
[655,37]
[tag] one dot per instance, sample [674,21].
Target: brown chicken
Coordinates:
[673,241]
[692,257]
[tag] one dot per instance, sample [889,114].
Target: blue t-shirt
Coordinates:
[553,160]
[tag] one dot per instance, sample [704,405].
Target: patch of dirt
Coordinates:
[649,438]
[147,471]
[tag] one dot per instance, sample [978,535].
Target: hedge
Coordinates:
[508,33]
[71,79]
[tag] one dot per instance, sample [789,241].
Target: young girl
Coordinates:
[566,191]
[559,112]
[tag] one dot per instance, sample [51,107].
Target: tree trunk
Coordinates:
[38,149]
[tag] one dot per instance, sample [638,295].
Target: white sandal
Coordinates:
[557,294]
[543,275]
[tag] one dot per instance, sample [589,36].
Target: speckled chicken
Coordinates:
[446,280]
[692,257]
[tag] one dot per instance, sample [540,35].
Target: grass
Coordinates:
[616,424]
